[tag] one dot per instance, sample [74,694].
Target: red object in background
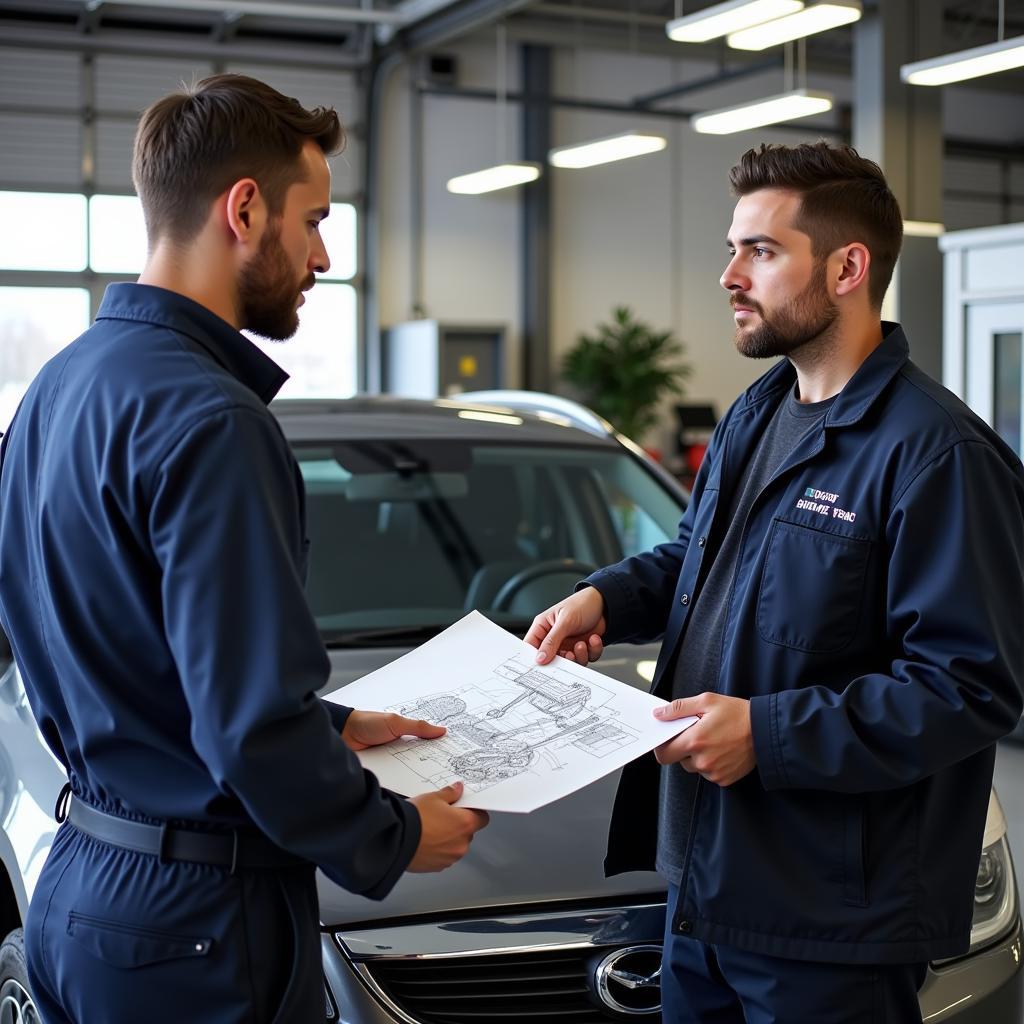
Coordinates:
[694,457]
[654,453]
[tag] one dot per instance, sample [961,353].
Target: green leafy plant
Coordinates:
[624,371]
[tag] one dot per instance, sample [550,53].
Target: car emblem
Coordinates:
[629,980]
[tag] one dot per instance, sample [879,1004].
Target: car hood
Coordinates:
[554,853]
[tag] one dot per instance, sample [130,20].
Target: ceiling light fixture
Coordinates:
[603,151]
[731,16]
[787,106]
[1002,55]
[817,18]
[923,228]
[490,179]
[956,67]
[506,173]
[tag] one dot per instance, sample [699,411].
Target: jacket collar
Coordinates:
[861,390]
[232,350]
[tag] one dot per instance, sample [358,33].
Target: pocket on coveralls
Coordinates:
[126,945]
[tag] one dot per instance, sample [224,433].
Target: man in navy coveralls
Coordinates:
[152,558]
[842,610]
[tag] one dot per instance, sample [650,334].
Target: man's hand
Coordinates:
[446,831]
[720,747]
[571,628]
[372,728]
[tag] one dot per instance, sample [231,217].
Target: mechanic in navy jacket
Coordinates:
[152,556]
[842,610]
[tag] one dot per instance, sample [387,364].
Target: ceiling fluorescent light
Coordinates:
[923,228]
[785,107]
[604,151]
[721,19]
[973,63]
[817,18]
[490,179]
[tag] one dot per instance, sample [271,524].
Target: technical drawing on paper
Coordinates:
[523,718]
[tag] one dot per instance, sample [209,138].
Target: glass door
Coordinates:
[994,367]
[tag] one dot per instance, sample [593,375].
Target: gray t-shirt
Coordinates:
[700,653]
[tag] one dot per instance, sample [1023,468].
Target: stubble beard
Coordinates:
[805,325]
[267,290]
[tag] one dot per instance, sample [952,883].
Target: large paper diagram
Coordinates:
[519,734]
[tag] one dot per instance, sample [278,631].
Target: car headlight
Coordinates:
[995,895]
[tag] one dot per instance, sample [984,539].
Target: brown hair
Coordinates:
[844,198]
[194,144]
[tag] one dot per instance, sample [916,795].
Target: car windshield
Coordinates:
[407,537]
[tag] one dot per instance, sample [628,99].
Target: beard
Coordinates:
[267,290]
[807,318]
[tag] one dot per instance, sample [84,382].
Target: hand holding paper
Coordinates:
[722,749]
[518,735]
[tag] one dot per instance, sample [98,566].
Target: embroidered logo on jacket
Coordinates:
[823,503]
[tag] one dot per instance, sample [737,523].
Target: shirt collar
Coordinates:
[861,390]
[233,351]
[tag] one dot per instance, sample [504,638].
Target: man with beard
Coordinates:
[841,611]
[152,555]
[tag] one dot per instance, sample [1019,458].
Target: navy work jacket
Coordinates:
[874,623]
[152,562]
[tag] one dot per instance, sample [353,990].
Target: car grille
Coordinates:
[540,986]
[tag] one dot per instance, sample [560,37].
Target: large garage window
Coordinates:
[59,251]
[321,357]
[71,225]
[42,231]
[35,324]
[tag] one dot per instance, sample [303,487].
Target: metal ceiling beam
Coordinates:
[706,82]
[275,9]
[571,103]
[453,22]
[168,44]
[600,14]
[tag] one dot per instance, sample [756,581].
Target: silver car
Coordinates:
[419,512]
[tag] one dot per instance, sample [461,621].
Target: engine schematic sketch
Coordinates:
[518,735]
[523,718]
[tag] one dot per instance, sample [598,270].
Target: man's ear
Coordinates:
[245,210]
[853,271]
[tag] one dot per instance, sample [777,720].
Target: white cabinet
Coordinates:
[427,359]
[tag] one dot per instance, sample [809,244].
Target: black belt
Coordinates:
[233,850]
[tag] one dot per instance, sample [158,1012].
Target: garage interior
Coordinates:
[430,90]
[476,292]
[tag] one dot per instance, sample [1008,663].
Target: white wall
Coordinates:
[470,245]
[648,233]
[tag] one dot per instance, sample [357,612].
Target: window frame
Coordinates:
[96,282]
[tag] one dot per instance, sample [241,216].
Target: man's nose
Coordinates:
[319,261]
[732,279]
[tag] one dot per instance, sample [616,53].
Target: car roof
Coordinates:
[383,417]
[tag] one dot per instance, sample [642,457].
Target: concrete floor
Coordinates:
[1009,782]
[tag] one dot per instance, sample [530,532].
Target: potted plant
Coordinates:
[625,370]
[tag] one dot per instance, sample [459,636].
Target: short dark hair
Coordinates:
[844,198]
[192,145]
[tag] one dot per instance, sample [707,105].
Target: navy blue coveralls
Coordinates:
[152,558]
[874,623]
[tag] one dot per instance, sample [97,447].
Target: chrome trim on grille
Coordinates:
[385,1000]
[485,936]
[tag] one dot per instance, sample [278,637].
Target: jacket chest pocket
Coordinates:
[812,588]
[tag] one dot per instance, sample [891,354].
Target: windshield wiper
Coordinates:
[387,636]
[400,636]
